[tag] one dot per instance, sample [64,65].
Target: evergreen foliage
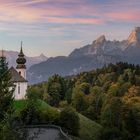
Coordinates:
[6,101]
[6,90]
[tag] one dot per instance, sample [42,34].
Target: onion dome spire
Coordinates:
[21,60]
[21,51]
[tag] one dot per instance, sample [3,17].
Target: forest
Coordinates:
[103,104]
[109,96]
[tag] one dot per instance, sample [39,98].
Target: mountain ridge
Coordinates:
[95,55]
[134,37]
[13,55]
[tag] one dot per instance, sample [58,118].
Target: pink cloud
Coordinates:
[29,11]
[131,16]
[23,15]
[23,12]
[74,20]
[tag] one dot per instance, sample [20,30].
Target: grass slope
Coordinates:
[89,130]
[21,104]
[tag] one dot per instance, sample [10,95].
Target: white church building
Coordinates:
[18,77]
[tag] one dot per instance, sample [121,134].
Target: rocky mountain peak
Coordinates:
[42,55]
[101,52]
[101,39]
[134,37]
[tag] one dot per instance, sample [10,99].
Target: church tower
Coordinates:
[21,67]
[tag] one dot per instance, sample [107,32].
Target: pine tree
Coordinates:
[6,90]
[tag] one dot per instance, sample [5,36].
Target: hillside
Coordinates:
[89,130]
[109,96]
[101,52]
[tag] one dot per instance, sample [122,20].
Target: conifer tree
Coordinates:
[6,90]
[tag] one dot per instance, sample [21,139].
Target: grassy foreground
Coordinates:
[41,105]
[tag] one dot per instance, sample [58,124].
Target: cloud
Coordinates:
[68,22]
[74,20]
[126,16]
[36,12]
[68,12]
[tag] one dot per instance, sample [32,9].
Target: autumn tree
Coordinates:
[56,90]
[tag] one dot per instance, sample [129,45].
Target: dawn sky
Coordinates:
[56,27]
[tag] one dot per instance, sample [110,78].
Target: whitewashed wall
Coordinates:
[22,72]
[23,89]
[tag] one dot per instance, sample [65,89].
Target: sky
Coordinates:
[56,27]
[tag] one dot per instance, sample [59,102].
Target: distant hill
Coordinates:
[12,56]
[95,55]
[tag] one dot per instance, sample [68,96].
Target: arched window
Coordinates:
[20,72]
[18,88]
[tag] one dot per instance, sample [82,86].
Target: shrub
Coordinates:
[69,120]
[30,115]
[110,134]
[50,116]
[63,104]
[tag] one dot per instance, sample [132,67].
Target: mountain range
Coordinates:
[13,55]
[95,55]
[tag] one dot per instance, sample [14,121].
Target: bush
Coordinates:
[30,115]
[8,128]
[34,93]
[50,116]
[69,120]
[111,134]
[63,104]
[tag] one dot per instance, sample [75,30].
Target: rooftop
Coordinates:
[16,77]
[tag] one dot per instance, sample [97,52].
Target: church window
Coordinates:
[18,88]
[20,72]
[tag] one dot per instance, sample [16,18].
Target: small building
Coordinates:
[18,77]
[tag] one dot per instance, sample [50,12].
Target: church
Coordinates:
[18,77]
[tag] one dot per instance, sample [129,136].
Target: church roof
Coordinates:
[15,76]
